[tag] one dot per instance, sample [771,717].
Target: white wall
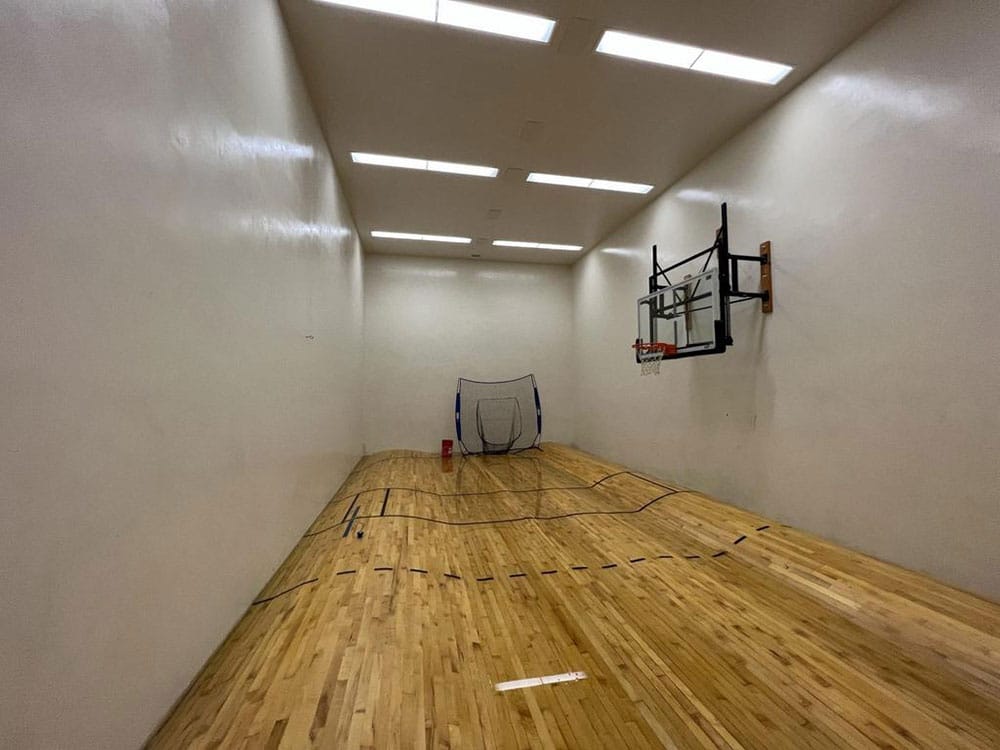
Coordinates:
[180,348]
[430,320]
[867,407]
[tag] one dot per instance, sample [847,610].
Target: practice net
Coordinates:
[498,417]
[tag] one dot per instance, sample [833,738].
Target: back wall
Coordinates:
[430,320]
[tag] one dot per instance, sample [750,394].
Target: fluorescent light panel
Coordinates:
[535,245]
[427,165]
[495,21]
[420,237]
[463,15]
[647,49]
[662,52]
[588,182]
[744,68]
[383,160]
[620,187]
[473,170]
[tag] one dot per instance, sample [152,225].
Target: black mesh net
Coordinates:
[498,417]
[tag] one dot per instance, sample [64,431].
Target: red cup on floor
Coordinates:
[446,448]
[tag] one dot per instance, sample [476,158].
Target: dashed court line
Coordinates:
[518,574]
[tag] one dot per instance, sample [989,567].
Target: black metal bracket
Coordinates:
[729,281]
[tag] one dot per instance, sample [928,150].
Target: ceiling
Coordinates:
[391,85]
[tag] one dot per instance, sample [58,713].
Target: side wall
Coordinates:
[430,320]
[180,348]
[867,407]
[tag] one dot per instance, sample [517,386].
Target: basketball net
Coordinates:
[650,366]
[651,355]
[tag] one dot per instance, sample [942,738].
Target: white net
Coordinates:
[650,366]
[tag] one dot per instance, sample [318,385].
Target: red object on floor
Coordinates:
[446,448]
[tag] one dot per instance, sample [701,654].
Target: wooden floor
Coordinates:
[698,625]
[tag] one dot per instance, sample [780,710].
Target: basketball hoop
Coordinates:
[650,355]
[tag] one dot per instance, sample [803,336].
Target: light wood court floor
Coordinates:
[698,625]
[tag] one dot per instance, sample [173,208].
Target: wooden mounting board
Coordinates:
[766,284]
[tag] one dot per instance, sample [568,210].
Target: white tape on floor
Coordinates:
[548,679]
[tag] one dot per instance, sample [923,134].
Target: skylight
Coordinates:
[662,52]
[427,165]
[589,182]
[475,16]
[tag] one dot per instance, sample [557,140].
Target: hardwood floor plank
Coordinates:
[698,625]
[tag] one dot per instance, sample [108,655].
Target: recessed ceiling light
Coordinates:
[495,20]
[421,237]
[427,165]
[744,68]
[425,10]
[588,182]
[535,245]
[468,169]
[621,187]
[676,55]
[560,179]
[648,49]
[382,160]
[463,15]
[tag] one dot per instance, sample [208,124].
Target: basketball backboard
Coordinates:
[690,317]
[686,316]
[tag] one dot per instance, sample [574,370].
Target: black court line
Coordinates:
[549,572]
[509,491]
[348,511]
[336,499]
[486,578]
[740,539]
[637,559]
[692,557]
[385,500]
[765,526]
[282,593]
[579,567]
[720,553]
[509,520]
[417,570]
[665,557]
[345,572]
[347,529]
[609,565]
[452,575]
[383,569]
[518,575]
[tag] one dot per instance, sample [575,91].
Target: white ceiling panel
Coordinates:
[389,85]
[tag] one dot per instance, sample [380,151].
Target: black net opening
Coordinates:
[498,422]
[498,417]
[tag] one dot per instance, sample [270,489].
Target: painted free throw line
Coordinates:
[548,679]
